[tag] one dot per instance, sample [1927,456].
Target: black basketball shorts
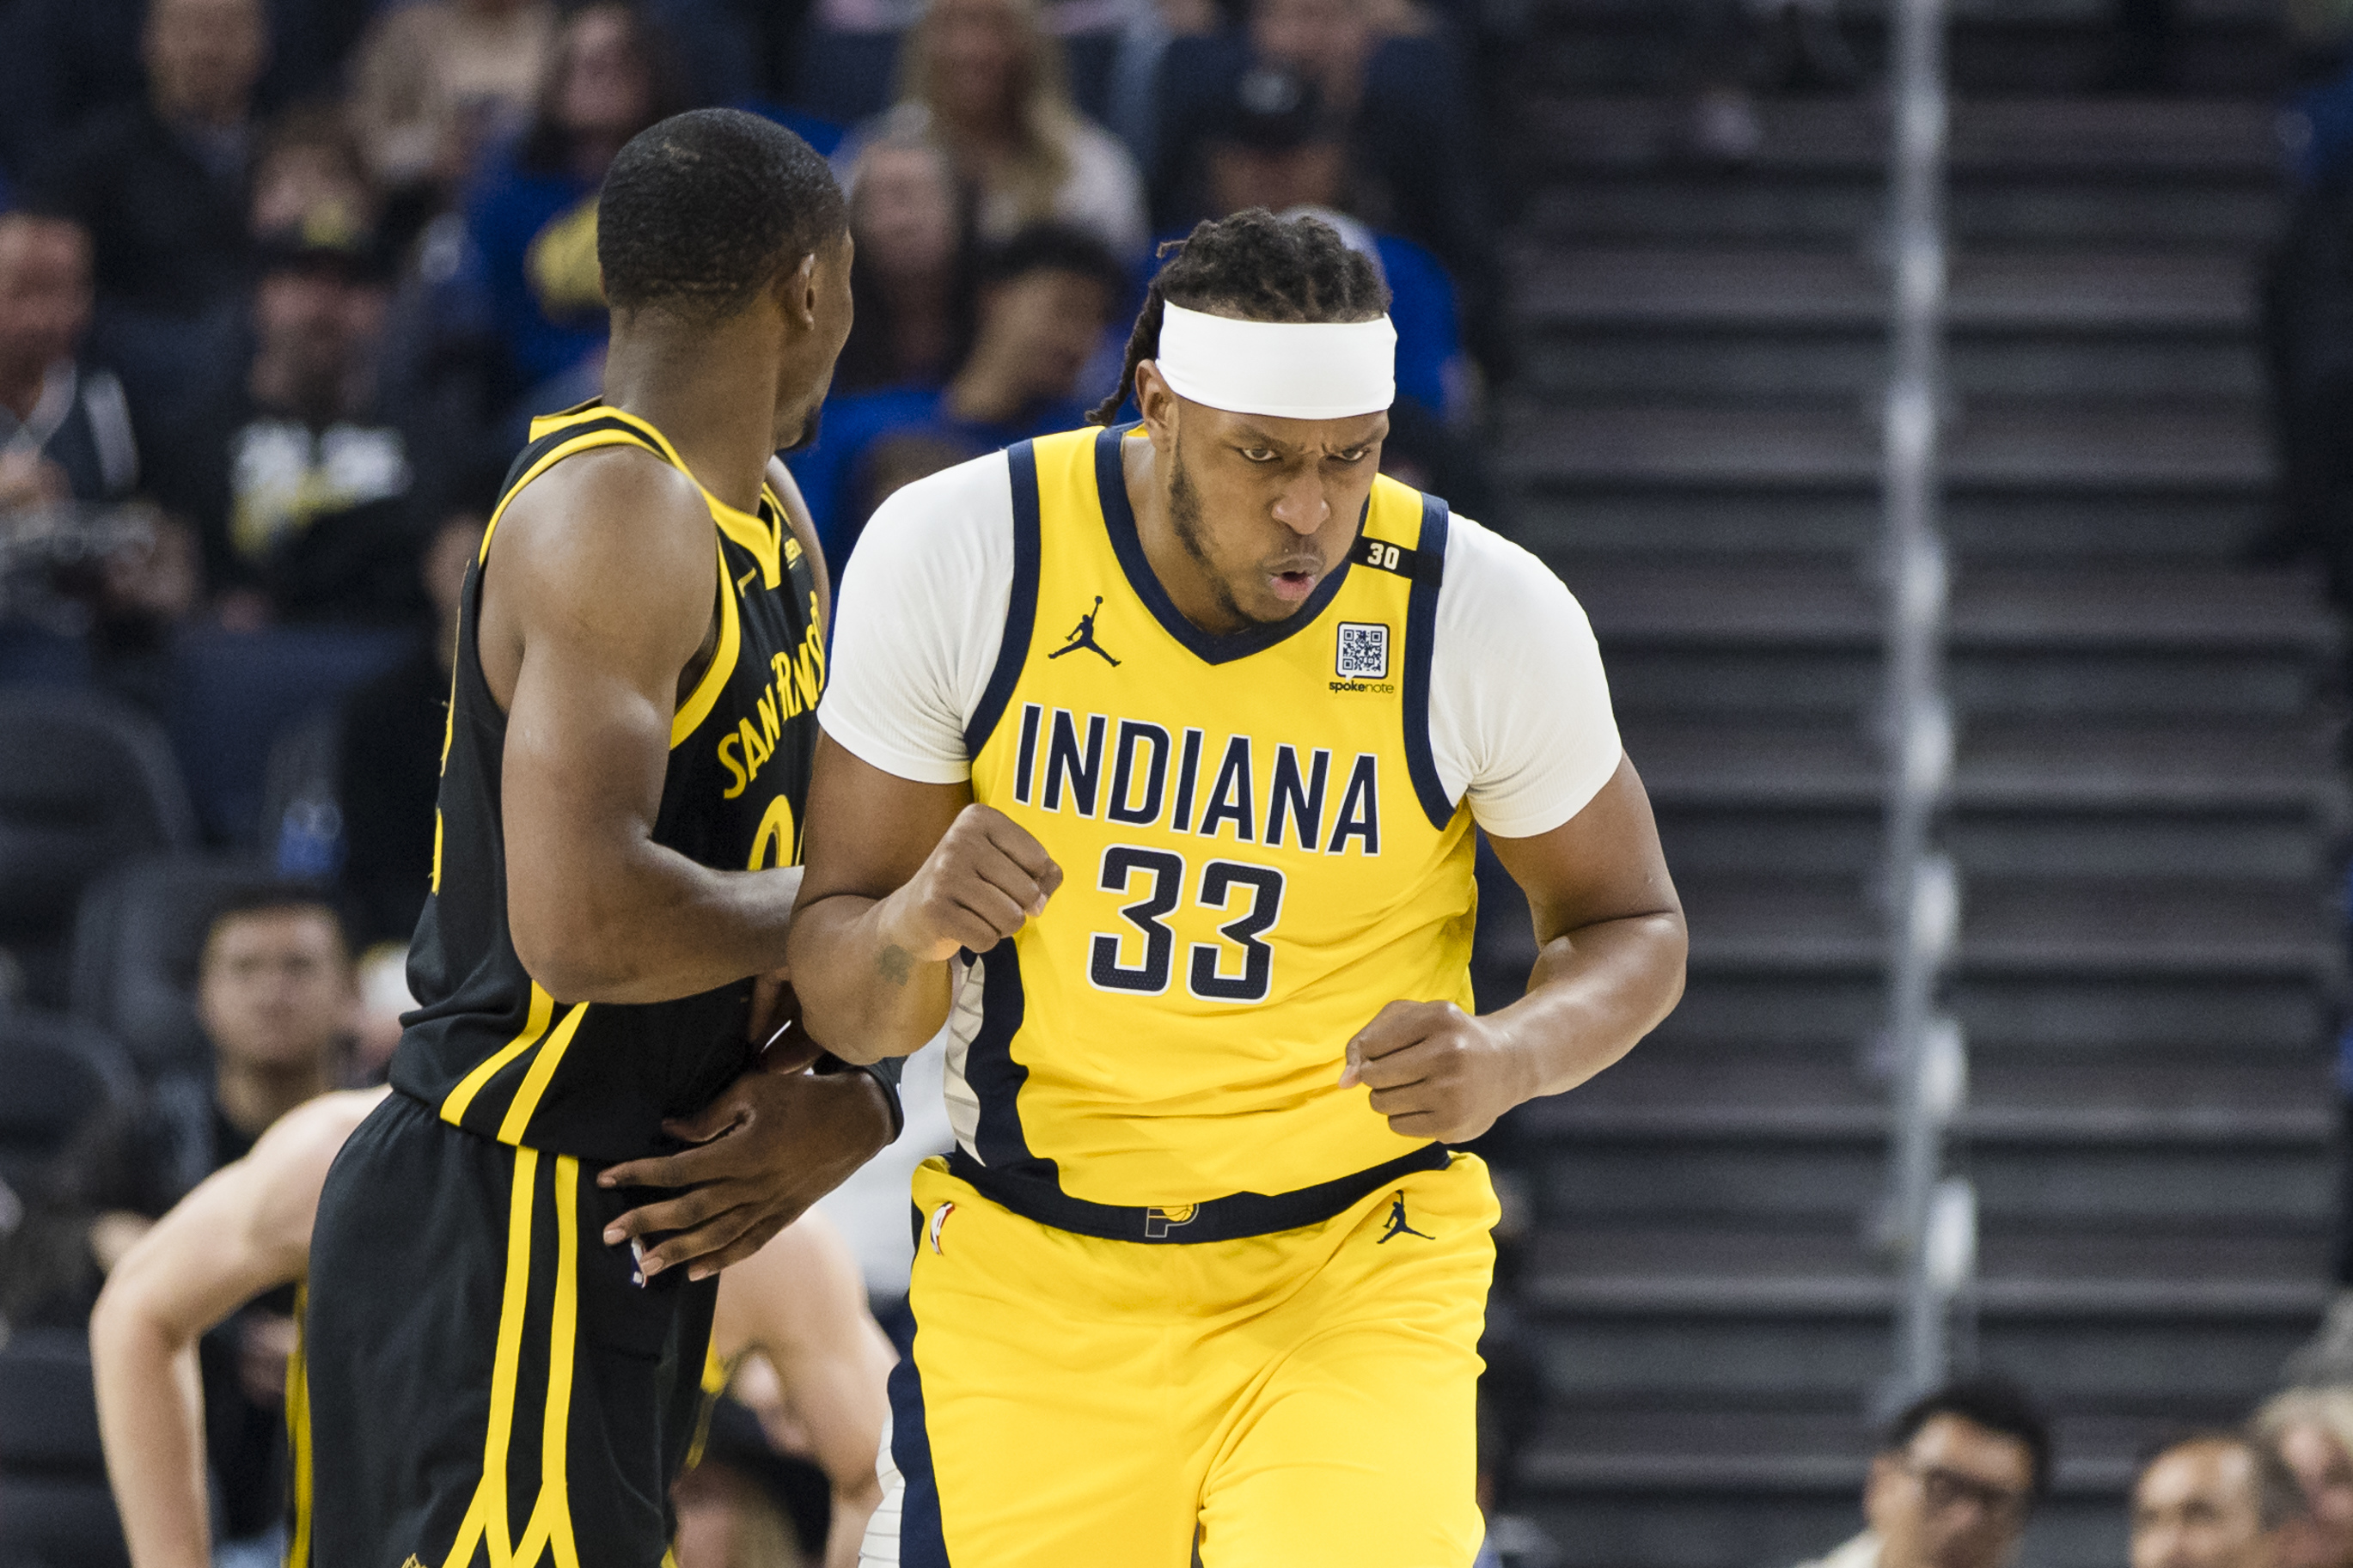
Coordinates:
[488,1388]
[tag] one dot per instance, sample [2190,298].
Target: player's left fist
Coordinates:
[1435,1071]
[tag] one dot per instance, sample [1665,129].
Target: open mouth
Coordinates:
[1295,585]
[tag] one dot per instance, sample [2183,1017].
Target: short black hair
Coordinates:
[1995,1404]
[1052,247]
[265,895]
[2279,1496]
[1258,268]
[703,211]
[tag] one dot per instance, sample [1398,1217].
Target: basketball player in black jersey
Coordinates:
[505,1332]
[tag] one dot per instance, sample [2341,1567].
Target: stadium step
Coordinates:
[2147,803]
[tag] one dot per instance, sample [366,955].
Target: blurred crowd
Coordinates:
[282,281]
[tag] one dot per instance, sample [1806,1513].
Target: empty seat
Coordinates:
[136,942]
[236,692]
[60,1073]
[55,1510]
[84,783]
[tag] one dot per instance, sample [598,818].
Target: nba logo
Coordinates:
[940,1222]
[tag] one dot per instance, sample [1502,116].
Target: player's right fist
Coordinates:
[983,880]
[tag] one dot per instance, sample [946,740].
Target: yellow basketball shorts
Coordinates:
[1287,1401]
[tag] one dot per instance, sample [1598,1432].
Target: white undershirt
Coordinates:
[1519,707]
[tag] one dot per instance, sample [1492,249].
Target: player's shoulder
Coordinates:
[620,508]
[1483,566]
[955,520]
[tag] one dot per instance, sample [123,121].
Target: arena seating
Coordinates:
[55,1510]
[60,1073]
[2146,789]
[84,784]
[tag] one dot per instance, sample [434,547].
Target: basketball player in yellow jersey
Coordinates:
[1151,763]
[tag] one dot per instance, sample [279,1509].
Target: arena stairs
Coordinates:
[2148,809]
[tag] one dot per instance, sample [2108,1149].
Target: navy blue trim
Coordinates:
[1119,522]
[922,1542]
[1231,1218]
[1021,609]
[1420,631]
[996,1079]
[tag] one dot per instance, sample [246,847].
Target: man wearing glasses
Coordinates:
[1953,1482]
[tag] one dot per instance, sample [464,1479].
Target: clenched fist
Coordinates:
[985,879]
[1436,1071]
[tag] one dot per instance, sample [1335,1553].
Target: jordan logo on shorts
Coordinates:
[1398,1225]
[1082,635]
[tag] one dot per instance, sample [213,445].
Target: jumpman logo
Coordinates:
[1082,635]
[1398,1225]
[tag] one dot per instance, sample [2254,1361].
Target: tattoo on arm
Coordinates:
[895,964]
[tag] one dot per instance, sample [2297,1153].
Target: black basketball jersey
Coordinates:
[488,1048]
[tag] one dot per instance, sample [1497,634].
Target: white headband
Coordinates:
[1291,370]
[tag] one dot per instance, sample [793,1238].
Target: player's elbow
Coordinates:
[126,1327]
[574,955]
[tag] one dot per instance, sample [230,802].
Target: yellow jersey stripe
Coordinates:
[705,696]
[542,1068]
[542,1009]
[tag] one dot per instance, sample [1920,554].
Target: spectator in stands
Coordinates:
[65,429]
[1393,85]
[310,169]
[438,81]
[1275,148]
[297,473]
[276,995]
[1954,1481]
[2216,1499]
[533,215]
[388,773]
[2311,1430]
[160,183]
[985,81]
[911,273]
[1046,299]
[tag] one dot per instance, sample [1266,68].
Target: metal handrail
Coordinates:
[1930,1218]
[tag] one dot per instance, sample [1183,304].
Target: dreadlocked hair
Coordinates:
[1256,266]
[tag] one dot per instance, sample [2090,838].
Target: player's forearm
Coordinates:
[1593,994]
[151,1417]
[650,927]
[864,995]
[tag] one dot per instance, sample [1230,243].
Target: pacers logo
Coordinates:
[1158,1222]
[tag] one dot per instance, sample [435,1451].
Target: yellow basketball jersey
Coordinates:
[1258,856]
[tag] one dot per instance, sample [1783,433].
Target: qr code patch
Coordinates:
[1364,651]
